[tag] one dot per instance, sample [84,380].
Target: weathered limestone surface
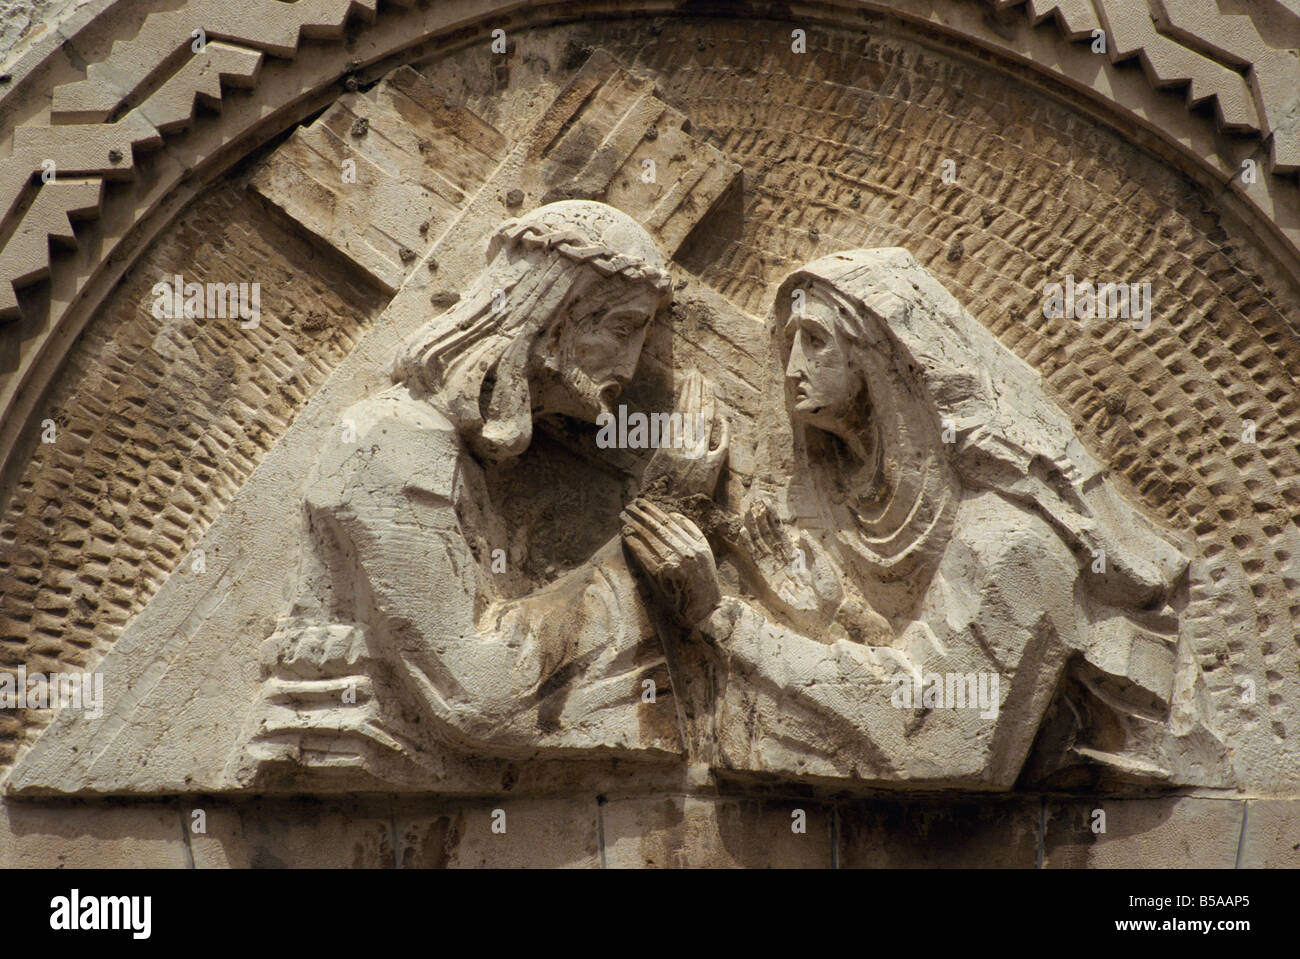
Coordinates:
[661,831]
[675,832]
[1270,835]
[970,834]
[1159,834]
[997,556]
[392,538]
[304,835]
[547,834]
[81,836]
[22,22]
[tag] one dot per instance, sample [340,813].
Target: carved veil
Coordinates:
[930,368]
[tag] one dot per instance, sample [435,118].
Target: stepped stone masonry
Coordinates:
[893,559]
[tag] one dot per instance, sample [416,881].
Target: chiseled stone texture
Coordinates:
[86,541]
[1271,839]
[988,834]
[238,393]
[91,836]
[1164,833]
[222,845]
[651,832]
[379,834]
[1117,384]
[692,832]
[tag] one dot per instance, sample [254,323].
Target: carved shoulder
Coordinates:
[1006,570]
[1007,540]
[388,444]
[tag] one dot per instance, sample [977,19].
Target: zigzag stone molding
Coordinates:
[264,24]
[134,104]
[1245,60]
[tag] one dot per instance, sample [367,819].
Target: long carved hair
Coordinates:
[473,360]
[932,373]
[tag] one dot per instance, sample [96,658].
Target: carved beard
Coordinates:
[580,396]
[585,392]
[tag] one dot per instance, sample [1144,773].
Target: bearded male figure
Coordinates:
[413,624]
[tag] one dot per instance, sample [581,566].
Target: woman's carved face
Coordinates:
[818,373]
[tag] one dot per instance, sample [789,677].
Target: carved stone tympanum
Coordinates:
[476,433]
[944,567]
[567,515]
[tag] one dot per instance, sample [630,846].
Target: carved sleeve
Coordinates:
[408,520]
[996,623]
[787,702]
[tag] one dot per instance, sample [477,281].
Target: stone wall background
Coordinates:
[841,147]
[656,831]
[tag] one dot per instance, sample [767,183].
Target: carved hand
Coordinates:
[674,554]
[764,536]
[783,567]
[693,468]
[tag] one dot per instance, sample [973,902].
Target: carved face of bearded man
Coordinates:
[596,352]
[554,324]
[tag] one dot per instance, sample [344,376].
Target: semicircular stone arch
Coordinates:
[841,146]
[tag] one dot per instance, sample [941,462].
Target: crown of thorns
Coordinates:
[580,248]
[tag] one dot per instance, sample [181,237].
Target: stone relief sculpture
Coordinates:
[944,536]
[413,622]
[363,546]
[947,526]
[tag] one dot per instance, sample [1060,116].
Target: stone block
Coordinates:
[678,832]
[91,836]
[295,834]
[1271,839]
[989,834]
[1164,833]
[516,834]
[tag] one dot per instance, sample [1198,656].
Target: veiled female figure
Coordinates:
[943,522]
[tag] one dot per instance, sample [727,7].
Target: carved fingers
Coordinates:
[708,429]
[784,569]
[765,534]
[693,462]
[676,557]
